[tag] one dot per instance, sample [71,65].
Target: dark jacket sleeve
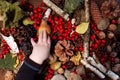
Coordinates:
[28,70]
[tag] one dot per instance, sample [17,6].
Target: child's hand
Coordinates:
[41,49]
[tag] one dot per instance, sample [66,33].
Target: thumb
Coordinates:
[32,42]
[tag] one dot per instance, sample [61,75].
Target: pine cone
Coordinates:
[99,2]
[110,9]
[95,12]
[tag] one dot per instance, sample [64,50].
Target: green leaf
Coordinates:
[71,5]
[13,15]
[8,62]
[4,6]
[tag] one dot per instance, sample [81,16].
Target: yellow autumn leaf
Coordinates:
[82,28]
[76,58]
[17,63]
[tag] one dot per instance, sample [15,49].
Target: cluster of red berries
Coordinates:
[50,74]
[59,30]
[62,30]
[96,43]
[21,56]
[38,15]
[105,58]
[4,49]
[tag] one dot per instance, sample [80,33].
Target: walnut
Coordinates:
[110,9]
[63,50]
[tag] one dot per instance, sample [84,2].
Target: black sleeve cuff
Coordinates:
[31,64]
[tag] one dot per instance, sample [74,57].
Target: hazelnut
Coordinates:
[112,27]
[111,35]
[109,48]
[101,35]
[60,70]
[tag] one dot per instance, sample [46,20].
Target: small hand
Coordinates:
[41,49]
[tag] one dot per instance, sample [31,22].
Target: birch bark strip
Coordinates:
[87,34]
[56,9]
[95,70]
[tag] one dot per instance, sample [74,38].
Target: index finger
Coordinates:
[40,36]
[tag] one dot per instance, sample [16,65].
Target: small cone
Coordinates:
[95,12]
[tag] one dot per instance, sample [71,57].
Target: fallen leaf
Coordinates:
[82,28]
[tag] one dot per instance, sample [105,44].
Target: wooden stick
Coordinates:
[95,70]
[87,34]
[97,65]
[56,9]
[112,75]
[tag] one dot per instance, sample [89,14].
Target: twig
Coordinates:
[87,34]
[95,70]
[98,65]
[56,9]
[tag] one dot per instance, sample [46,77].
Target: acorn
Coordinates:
[112,27]
[44,26]
[60,70]
[111,35]
[101,35]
